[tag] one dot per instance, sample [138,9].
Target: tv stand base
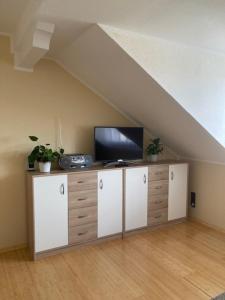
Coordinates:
[117,164]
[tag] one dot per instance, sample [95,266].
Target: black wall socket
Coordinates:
[193,199]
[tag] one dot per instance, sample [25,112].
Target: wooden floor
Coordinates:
[183,261]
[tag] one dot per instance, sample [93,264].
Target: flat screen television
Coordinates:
[118,143]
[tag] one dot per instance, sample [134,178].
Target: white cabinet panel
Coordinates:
[110,196]
[178,183]
[136,198]
[50,212]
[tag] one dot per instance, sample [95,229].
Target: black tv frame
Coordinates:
[119,162]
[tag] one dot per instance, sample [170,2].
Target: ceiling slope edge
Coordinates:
[95,58]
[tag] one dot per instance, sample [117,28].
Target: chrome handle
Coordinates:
[82,233]
[81,199]
[145,179]
[62,189]
[172,175]
[158,201]
[157,217]
[158,173]
[101,184]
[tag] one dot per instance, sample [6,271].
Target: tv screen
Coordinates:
[118,143]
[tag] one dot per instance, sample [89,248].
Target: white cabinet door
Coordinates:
[136,198]
[110,202]
[177,200]
[50,212]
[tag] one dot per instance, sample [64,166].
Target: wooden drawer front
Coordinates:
[82,199]
[82,181]
[158,187]
[83,215]
[158,201]
[83,233]
[158,216]
[158,173]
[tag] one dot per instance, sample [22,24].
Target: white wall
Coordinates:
[30,105]
[194,77]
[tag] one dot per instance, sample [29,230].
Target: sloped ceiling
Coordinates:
[87,52]
[193,76]
[103,65]
[197,22]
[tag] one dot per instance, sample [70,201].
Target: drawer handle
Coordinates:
[82,233]
[80,181]
[157,217]
[158,187]
[172,175]
[158,202]
[81,199]
[158,173]
[81,217]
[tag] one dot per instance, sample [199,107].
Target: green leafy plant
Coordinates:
[43,153]
[155,147]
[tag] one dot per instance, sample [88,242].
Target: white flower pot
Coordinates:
[153,157]
[45,167]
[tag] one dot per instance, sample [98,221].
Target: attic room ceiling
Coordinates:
[196,22]
[72,33]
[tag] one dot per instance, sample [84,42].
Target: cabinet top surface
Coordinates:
[99,167]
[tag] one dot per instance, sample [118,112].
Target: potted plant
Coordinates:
[44,155]
[153,149]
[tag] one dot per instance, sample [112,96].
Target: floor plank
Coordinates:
[183,261]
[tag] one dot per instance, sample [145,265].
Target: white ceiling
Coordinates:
[99,62]
[90,54]
[196,22]
[192,76]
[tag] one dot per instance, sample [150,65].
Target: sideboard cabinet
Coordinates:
[67,209]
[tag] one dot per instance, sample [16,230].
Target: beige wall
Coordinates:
[31,104]
[208,181]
